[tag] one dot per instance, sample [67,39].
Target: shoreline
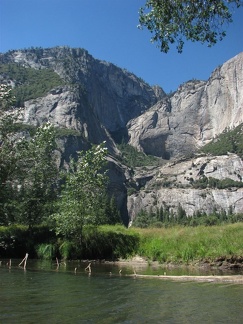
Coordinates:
[233,279]
[138,262]
[218,264]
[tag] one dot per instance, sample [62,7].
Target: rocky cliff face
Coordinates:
[100,101]
[114,95]
[194,115]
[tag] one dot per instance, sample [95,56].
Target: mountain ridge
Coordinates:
[106,103]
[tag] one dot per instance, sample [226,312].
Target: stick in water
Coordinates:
[57,262]
[88,267]
[24,260]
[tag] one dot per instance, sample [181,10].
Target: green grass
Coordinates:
[186,244]
[46,251]
[176,244]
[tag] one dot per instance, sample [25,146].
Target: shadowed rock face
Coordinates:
[102,102]
[194,115]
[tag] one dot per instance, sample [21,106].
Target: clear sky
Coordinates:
[107,29]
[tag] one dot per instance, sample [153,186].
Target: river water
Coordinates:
[44,293]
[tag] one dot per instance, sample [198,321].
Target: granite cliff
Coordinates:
[193,115]
[99,101]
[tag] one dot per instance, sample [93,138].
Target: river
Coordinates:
[44,293]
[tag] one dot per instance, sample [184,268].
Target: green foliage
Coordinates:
[68,250]
[38,178]
[231,140]
[16,240]
[164,217]
[28,174]
[109,242]
[111,212]
[46,251]
[82,193]
[30,83]
[176,21]
[7,98]
[185,244]
[133,158]
[210,182]
[64,132]
[144,219]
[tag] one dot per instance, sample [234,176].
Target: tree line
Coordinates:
[163,216]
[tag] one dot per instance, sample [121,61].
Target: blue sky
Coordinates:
[108,30]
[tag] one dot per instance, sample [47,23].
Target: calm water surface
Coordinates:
[44,294]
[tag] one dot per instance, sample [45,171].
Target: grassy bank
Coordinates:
[186,244]
[176,244]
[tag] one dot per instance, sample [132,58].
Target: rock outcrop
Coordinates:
[179,183]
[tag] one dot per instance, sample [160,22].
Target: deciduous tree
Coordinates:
[83,190]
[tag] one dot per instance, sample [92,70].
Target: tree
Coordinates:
[28,173]
[84,188]
[111,211]
[7,151]
[196,20]
[37,181]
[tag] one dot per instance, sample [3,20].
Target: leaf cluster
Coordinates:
[177,21]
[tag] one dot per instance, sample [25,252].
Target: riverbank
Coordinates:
[234,279]
[219,247]
[215,246]
[138,264]
[220,263]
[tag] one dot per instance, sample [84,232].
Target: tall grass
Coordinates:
[46,251]
[174,244]
[186,244]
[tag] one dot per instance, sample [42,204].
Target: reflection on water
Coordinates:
[44,294]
